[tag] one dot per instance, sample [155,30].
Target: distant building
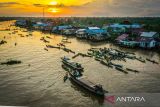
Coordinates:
[81,33]
[121,28]
[59,29]
[124,41]
[147,42]
[121,38]
[149,34]
[96,34]
[21,23]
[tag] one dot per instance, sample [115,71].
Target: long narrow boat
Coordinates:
[121,70]
[73,65]
[88,85]
[153,61]
[106,64]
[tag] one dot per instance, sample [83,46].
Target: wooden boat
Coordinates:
[97,59]
[75,56]
[73,65]
[106,64]
[153,61]
[61,44]
[11,62]
[84,55]
[2,42]
[68,50]
[45,41]
[141,60]
[50,46]
[48,37]
[116,65]
[120,69]
[88,85]
[46,49]
[130,57]
[128,69]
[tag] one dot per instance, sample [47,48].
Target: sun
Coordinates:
[54,3]
[54,10]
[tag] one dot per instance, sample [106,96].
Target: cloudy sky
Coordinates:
[108,8]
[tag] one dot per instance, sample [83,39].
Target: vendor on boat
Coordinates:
[98,87]
[65,58]
[77,73]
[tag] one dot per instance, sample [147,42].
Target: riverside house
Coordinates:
[124,40]
[96,34]
[81,33]
[121,28]
[147,39]
[60,29]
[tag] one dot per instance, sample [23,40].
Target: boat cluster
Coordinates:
[2,42]
[107,56]
[75,71]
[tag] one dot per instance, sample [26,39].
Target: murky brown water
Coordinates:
[41,84]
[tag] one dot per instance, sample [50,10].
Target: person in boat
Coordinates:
[65,58]
[65,77]
[98,87]
[77,73]
[78,65]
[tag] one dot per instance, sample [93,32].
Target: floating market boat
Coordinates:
[48,37]
[73,65]
[46,49]
[2,42]
[88,85]
[128,69]
[11,62]
[121,69]
[68,50]
[116,65]
[50,46]
[153,61]
[141,60]
[106,64]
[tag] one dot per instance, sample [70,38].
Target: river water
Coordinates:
[41,84]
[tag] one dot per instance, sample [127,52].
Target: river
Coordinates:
[41,84]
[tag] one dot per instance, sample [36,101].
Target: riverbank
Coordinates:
[137,33]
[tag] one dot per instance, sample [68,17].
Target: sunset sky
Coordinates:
[80,8]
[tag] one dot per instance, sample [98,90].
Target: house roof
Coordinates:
[143,39]
[96,31]
[122,37]
[135,25]
[148,34]
[64,27]
[117,25]
[91,28]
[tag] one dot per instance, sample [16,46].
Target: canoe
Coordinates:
[153,61]
[73,65]
[46,49]
[122,70]
[141,60]
[50,46]
[106,64]
[11,62]
[88,85]
[116,65]
[128,69]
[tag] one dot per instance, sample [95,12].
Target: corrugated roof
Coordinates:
[122,37]
[91,28]
[148,34]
